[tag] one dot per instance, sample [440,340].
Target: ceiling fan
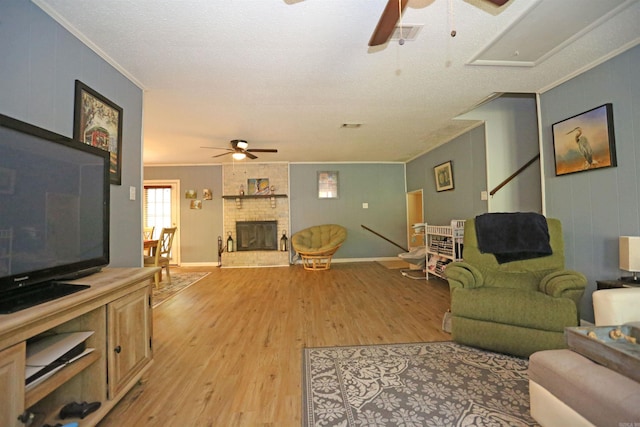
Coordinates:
[391,14]
[239,150]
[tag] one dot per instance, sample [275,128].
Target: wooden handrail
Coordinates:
[380,235]
[513,175]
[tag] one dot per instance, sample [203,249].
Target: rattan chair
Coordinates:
[316,245]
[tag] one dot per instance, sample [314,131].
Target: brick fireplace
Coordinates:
[252,209]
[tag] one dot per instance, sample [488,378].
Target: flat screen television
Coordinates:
[54,213]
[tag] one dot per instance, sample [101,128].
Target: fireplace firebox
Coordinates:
[257,235]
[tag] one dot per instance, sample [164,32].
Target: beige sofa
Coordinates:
[567,389]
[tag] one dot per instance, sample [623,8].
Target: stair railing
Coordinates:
[513,175]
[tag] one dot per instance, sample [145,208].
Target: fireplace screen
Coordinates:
[257,235]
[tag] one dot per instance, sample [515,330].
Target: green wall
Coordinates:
[199,228]
[467,154]
[381,185]
[40,61]
[597,206]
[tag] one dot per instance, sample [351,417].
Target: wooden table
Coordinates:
[148,245]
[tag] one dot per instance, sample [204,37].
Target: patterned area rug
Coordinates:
[179,282]
[411,385]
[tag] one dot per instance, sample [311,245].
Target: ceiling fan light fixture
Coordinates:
[238,156]
[242,144]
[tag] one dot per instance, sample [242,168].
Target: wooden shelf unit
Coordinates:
[444,245]
[117,308]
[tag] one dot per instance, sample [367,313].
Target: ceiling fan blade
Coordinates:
[217,148]
[249,155]
[261,150]
[387,22]
[223,154]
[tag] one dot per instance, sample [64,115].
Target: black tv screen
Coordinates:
[54,206]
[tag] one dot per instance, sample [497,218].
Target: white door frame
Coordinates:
[175,211]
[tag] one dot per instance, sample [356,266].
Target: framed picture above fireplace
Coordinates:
[258,186]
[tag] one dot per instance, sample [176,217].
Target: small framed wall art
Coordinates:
[585,141]
[444,176]
[98,122]
[328,185]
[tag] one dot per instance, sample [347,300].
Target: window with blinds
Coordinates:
[157,207]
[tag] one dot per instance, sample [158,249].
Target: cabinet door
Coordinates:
[129,338]
[12,384]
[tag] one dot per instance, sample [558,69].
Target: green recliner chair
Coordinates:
[517,307]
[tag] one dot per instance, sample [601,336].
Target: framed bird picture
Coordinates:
[585,141]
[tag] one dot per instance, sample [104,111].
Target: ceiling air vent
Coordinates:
[409,32]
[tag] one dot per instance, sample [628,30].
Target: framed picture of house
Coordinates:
[444,176]
[98,122]
[585,141]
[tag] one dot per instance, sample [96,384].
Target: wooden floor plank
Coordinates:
[228,349]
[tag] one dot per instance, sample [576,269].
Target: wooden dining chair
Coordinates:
[147,234]
[162,254]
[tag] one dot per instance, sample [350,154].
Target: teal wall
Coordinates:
[199,228]
[598,206]
[467,153]
[381,185]
[39,63]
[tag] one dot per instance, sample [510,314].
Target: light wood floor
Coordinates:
[228,349]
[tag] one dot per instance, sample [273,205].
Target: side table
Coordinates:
[612,284]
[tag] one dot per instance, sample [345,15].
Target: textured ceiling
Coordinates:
[287,74]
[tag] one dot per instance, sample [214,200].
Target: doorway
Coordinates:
[161,208]
[415,215]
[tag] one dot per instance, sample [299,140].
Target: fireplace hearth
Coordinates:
[257,235]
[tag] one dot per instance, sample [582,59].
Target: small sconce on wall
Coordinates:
[630,256]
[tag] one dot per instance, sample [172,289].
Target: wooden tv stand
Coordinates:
[117,307]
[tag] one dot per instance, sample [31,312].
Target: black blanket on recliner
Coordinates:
[513,236]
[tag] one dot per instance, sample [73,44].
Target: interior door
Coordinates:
[415,215]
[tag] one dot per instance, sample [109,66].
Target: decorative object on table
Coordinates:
[328,185]
[258,186]
[207,194]
[585,141]
[630,257]
[191,194]
[196,204]
[418,384]
[97,121]
[444,176]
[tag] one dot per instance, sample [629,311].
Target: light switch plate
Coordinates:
[132,193]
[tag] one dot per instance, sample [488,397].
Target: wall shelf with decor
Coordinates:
[238,198]
[254,196]
[444,245]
